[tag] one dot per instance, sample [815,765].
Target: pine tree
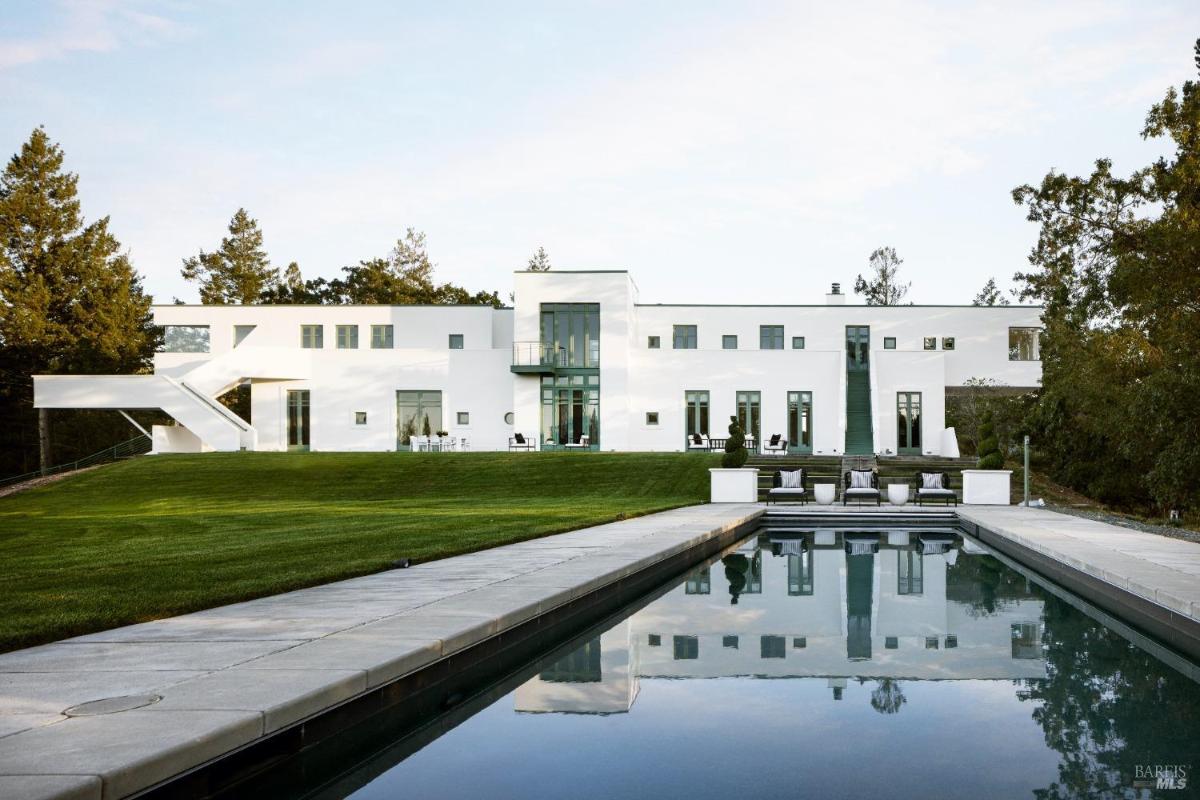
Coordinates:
[70,300]
[540,262]
[237,272]
[990,295]
[883,289]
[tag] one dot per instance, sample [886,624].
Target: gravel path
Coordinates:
[1125,522]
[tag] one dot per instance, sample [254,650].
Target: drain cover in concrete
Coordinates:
[111,705]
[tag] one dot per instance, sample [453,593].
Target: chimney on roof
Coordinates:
[835,296]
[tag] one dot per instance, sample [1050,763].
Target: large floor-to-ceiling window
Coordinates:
[571,395]
[799,435]
[418,413]
[749,410]
[695,414]
[908,423]
[298,428]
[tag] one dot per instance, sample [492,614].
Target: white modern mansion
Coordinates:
[578,362]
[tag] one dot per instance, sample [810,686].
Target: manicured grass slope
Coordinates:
[163,535]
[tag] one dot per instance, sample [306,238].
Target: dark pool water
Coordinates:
[832,664]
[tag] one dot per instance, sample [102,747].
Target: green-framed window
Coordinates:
[347,337]
[800,422]
[418,413]
[797,342]
[462,418]
[910,576]
[800,573]
[571,409]
[298,419]
[749,410]
[695,413]
[908,423]
[889,343]
[947,342]
[683,337]
[931,343]
[383,337]
[456,341]
[312,337]
[571,334]
[770,337]
[653,342]
[651,417]
[729,342]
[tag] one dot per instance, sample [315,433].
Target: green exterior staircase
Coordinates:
[859,438]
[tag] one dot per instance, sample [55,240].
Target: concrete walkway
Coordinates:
[231,675]
[1158,569]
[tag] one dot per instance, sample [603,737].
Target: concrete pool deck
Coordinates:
[232,676]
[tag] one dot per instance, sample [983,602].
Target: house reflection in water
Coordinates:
[828,605]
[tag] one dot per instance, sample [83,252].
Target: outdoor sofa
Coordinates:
[519,442]
[776,445]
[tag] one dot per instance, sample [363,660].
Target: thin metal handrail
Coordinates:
[131,447]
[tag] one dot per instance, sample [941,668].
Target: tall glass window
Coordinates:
[800,573]
[683,337]
[382,337]
[908,423]
[770,337]
[312,337]
[1024,344]
[571,334]
[185,339]
[297,419]
[418,413]
[347,337]
[749,407]
[695,413]
[571,410]
[800,422]
[910,572]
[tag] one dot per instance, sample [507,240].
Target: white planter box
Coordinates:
[986,487]
[734,485]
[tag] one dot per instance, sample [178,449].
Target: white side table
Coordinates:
[897,493]
[824,493]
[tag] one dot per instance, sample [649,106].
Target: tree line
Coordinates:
[71,301]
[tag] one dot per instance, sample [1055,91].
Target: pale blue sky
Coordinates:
[723,152]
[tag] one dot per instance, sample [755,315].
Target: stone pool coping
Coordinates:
[230,676]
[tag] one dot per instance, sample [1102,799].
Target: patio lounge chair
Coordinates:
[698,441]
[519,442]
[788,485]
[934,486]
[583,444]
[860,485]
[776,445]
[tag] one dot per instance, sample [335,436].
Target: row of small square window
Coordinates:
[312,337]
[770,337]
[688,647]
[463,417]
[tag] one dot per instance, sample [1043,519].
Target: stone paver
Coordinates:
[1165,571]
[229,675]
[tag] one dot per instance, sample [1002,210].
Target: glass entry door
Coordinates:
[749,405]
[908,423]
[695,414]
[418,413]
[858,348]
[297,419]
[799,435]
[571,410]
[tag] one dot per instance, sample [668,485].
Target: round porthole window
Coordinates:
[508,418]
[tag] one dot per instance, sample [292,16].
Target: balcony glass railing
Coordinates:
[538,354]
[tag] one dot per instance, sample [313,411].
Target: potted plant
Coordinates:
[989,484]
[733,482]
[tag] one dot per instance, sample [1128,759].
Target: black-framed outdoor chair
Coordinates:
[518,442]
[861,485]
[788,485]
[583,444]
[698,442]
[933,486]
[775,446]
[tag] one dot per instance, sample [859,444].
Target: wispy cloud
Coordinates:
[88,26]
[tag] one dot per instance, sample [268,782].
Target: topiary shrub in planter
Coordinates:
[990,456]
[735,447]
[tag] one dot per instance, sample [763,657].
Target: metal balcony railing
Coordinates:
[538,354]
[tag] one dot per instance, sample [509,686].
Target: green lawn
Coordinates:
[163,535]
